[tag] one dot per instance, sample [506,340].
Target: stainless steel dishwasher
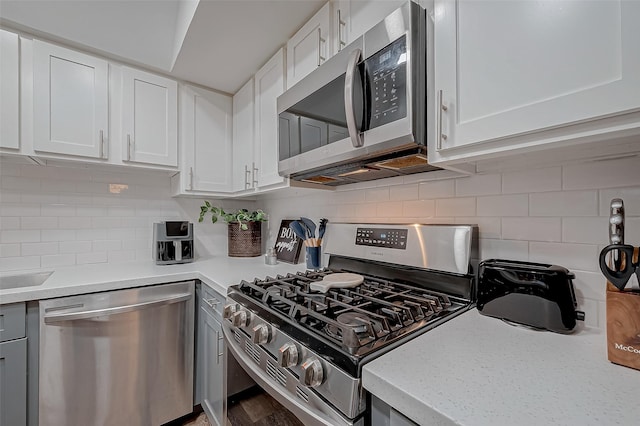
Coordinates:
[117,358]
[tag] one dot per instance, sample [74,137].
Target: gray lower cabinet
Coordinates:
[13,365]
[383,414]
[210,356]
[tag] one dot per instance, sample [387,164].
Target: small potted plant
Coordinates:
[244,229]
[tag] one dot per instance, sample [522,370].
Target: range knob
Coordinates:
[229,310]
[288,355]
[261,334]
[312,373]
[240,318]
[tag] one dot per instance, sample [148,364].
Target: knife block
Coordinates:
[623,327]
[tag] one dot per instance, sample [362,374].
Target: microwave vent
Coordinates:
[406,162]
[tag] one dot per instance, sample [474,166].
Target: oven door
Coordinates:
[281,384]
[366,101]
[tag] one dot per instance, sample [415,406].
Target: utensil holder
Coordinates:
[623,326]
[314,258]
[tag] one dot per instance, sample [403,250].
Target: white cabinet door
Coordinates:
[512,68]
[352,18]
[269,84]
[243,139]
[309,47]
[206,129]
[149,118]
[70,102]
[9,90]
[213,369]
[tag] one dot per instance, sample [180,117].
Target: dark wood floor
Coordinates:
[255,407]
[250,408]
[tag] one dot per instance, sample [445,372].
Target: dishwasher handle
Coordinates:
[72,316]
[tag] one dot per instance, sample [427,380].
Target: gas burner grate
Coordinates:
[375,309]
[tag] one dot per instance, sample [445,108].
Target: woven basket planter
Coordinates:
[245,243]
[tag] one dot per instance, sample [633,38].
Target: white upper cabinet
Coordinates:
[509,68]
[206,132]
[9,90]
[309,47]
[243,138]
[352,18]
[149,118]
[269,84]
[70,102]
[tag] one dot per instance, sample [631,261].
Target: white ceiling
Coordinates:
[215,43]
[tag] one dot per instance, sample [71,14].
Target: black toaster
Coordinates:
[530,294]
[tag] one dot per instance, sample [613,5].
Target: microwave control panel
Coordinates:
[382,237]
[387,75]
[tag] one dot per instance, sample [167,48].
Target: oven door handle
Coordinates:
[303,412]
[349,80]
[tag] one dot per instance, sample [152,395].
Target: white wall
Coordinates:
[553,215]
[63,216]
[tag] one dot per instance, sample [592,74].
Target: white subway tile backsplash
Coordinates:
[532,228]
[94,257]
[38,198]
[58,210]
[122,233]
[565,203]
[590,285]
[19,236]
[121,211]
[20,183]
[404,192]
[58,234]
[39,222]
[630,197]
[390,209]
[537,180]
[68,247]
[582,257]
[9,250]
[585,230]
[51,261]
[478,185]
[121,256]
[106,222]
[56,185]
[503,205]
[437,189]
[39,249]
[375,195]
[503,249]
[9,222]
[91,234]
[456,207]
[488,227]
[107,245]
[89,211]
[7,196]
[593,317]
[19,263]
[74,222]
[419,209]
[601,174]
[20,209]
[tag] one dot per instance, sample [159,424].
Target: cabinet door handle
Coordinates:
[254,177]
[321,58]
[211,302]
[247,184]
[191,178]
[341,24]
[441,107]
[129,145]
[220,353]
[102,147]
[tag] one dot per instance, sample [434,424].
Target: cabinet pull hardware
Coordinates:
[341,23]
[211,302]
[129,144]
[321,58]
[218,348]
[247,184]
[102,150]
[254,177]
[191,178]
[441,107]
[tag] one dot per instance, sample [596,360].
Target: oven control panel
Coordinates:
[382,237]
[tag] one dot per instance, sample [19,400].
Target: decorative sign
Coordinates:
[288,245]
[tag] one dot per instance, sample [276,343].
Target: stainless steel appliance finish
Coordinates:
[307,348]
[121,357]
[362,115]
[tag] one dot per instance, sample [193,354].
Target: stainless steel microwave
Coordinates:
[362,115]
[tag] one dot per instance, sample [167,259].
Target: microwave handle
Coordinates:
[352,126]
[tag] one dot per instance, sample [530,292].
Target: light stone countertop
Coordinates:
[476,370]
[217,272]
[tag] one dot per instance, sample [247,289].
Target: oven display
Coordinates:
[381,237]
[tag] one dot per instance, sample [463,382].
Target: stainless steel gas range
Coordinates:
[387,284]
